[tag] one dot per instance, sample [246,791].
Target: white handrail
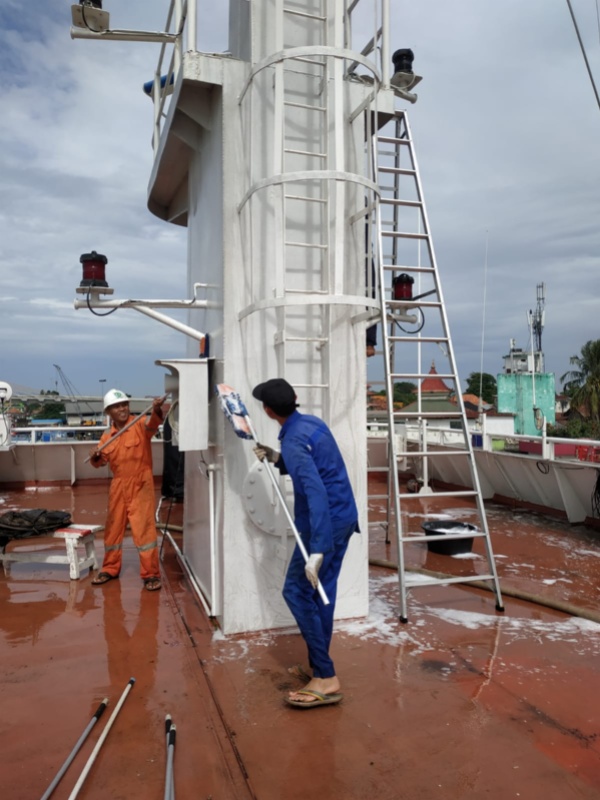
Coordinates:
[182,21]
[450,437]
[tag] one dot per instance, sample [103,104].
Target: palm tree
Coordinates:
[583,384]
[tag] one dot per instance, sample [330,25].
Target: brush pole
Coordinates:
[171,786]
[75,750]
[100,741]
[286,510]
[125,428]
[170,755]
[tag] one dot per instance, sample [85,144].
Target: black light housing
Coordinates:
[404,80]
[92,3]
[403,61]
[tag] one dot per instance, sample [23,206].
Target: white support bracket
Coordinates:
[125,36]
[147,307]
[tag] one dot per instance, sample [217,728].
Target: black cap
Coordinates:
[403,60]
[93,256]
[278,395]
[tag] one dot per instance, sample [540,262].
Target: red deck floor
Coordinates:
[461,702]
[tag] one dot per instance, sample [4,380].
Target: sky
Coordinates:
[506,131]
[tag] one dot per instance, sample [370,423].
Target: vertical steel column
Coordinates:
[385,43]
[178,5]
[192,24]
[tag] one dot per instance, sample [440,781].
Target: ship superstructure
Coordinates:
[264,154]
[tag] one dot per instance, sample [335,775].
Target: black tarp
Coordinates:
[173,465]
[30,522]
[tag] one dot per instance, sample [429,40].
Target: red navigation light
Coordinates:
[93,269]
[402,286]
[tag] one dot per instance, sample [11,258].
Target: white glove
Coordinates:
[262,451]
[311,570]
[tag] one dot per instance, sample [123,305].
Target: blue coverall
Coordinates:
[326,516]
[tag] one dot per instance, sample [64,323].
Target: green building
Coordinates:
[527,392]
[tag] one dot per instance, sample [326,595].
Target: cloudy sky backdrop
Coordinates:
[507,132]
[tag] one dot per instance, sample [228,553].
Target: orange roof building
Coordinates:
[435,385]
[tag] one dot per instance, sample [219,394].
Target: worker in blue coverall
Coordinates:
[326,516]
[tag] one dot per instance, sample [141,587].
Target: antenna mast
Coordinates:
[536,321]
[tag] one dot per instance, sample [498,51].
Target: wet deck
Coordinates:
[461,702]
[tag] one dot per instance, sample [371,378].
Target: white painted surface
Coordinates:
[288,275]
[187,382]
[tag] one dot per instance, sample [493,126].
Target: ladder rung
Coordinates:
[320,339]
[384,153]
[430,453]
[405,235]
[427,414]
[413,303]
[408,375]
[405,376]
[306,291]
[392,140]
[401,268]
[293,12]
[306,106]
[392,201]
[399,315]
[420,375]
[441,581]
[308,60]
[419,339]
[304,153]
[417,496]
[397,171]
[306,244]
[442,537]
[304,198]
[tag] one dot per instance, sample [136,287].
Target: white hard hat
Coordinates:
[114,396]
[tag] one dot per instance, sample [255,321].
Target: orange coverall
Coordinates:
[131,496]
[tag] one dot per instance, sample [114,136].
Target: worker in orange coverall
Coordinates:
[131,498]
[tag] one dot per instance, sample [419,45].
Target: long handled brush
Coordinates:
[122,431]
[236,412]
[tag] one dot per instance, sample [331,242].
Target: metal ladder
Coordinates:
[414,331]
[300,89]
[309,259]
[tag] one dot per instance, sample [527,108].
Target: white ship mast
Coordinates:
[263,153]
